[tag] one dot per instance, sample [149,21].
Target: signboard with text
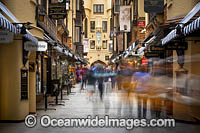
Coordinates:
[24,84]
[154,54]
[141,23]
[153,6]
[30,46]
[6,36]
[57,10]
[177,46]
[157,48]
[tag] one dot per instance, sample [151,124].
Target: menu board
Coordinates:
[24,84]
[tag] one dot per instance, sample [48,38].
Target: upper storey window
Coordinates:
[98,8]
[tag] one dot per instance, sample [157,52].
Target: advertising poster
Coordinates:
[125,18]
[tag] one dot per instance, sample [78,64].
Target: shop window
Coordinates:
[98,8]
[92,44]
[92,26]
[104,26]
[104,44]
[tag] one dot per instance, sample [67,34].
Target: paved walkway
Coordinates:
[79,106]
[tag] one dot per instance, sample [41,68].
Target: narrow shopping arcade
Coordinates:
[100,66]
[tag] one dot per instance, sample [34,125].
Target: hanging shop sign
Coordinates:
[154,54]
[153,6]
[177,46]
[30,46]
[157,48]
[85,45]
[24,84]
[125,18]
[57,10]
[6,36]
[141,23]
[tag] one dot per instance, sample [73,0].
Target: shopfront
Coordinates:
[184,42]
[16,92]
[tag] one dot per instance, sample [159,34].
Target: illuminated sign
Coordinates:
[157,48]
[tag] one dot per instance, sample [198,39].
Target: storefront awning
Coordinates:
[30,37]
[140,50]
[195,25]
[187,29]
[9,26]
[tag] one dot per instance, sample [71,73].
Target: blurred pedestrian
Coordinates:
[90,82]
[142,78]
[83,72]
[99,75]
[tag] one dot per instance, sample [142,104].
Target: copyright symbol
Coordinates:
[30,121]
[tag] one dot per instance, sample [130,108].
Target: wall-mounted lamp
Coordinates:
[23,27]
[179,28]
[41,16]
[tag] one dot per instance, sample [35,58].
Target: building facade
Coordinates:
[27,71]
[97,24]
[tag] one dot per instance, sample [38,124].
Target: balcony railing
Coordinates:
[48,25]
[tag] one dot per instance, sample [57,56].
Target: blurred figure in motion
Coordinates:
[113,77]
[108,87]
[125,72]
[100,77]
[142,78]
[162,85]
[90,82]
[83,73]
[107,80]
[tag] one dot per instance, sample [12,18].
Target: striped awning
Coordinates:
[31,37]
[195,25]
[140,50]
[169,37]
[12,28]
[190,28]
[7,25]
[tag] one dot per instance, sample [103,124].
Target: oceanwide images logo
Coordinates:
[94,122]
[30,121]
